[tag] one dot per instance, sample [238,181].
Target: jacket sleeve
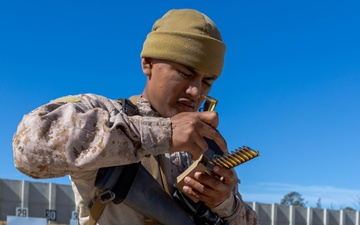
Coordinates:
[235,211]
[85,132]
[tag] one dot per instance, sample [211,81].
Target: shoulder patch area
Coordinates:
[69,98]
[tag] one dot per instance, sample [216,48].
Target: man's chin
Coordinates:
[181,110]
[173,112]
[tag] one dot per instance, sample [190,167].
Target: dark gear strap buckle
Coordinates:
[128,107]
[114,182]
[107,196]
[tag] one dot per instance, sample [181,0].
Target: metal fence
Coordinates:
[275,214]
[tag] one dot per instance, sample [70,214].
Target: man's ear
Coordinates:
[146,65]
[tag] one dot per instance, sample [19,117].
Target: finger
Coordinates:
[198,149]
[210,118]
[210,181]
[215,135]
[210,200]
[197,189]
[202,192]
[228,175]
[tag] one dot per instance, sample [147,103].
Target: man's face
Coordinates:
[172,88]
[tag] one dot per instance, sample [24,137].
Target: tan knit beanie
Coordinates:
[187,37]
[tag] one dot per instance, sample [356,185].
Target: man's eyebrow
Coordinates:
[192,70]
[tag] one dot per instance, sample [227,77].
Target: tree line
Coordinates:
[296,199]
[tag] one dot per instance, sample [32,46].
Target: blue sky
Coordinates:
[290,86]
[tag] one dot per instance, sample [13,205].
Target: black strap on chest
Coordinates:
[114,182]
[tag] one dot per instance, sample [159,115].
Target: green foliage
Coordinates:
[318,204]
[293,198]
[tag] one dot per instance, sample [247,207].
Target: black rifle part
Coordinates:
[201,214]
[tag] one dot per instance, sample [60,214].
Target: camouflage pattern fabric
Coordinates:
[77,135]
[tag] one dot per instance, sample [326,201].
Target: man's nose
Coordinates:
[194,89]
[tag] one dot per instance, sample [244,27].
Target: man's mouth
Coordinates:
[188,105]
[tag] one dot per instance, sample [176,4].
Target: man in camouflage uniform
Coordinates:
[76,135]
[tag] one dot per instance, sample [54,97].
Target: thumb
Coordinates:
[209,117]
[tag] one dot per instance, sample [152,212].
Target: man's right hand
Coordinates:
[189,130]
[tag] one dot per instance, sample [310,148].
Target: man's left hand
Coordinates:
[212,191]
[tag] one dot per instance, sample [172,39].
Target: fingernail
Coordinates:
[186,189]
[197,175]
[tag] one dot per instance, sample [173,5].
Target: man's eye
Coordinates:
[184,74]
[207,83]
